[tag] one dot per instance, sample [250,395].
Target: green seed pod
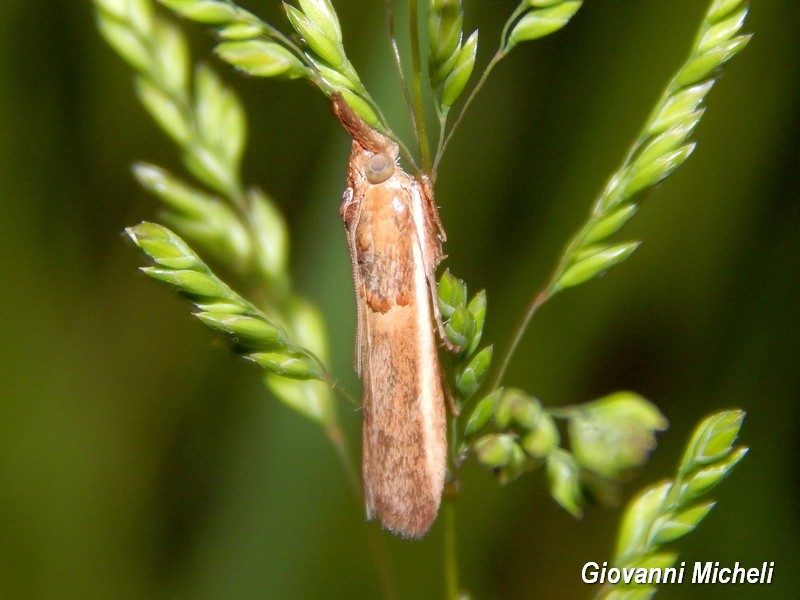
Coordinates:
[460,327]
[563,475]
[205,164]
[200,217]
[123,36]
[307,326]
[361,107]
[262,59]
[713,439]
[271,238]
[477,307]
[286,364]
[162,107]
[704,65]
[445,21]
[336,79]
[319,37]
[310,398]
[322,13]
[495,450]
[219,117]
[482,412]
[721,8]
[615,434]
[525,411]
[667,141]
[704,479]
[211,12]
[228,306]
[634,533]
[542,439]
[470,378]
[188,282]
[504,410]
[171,190]
[241,31]
[647,175]
[517,465]
[163,246]
[452,293]
[609,224]
[673,526]
[462,70]
[678,106]
[543,21]
[249,331]
[599,261]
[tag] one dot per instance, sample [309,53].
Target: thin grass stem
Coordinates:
[416,87]
[450,550]
[484,76]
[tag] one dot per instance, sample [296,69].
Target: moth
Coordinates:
[395,240]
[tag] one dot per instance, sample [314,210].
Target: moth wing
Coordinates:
[350,210]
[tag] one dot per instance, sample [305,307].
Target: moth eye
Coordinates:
[379,168]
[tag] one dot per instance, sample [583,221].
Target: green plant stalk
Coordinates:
[613,195]
[518,12]
[450,549]
[444,140]
[181,98]
[382,563]
[338,439]
[398,63]
[541,298]
[416,87]
[519,332]
[404,152]
[712,448]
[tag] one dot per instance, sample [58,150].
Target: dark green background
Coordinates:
[138,459]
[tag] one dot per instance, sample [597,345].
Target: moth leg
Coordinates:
[350,211]
[448,394]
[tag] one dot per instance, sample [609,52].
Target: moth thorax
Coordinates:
[380,167]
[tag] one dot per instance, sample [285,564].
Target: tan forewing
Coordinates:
[394,238]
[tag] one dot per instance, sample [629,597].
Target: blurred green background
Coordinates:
[139,459]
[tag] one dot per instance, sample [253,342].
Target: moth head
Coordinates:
[380,167]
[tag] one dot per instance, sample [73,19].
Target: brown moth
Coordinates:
[395,240]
